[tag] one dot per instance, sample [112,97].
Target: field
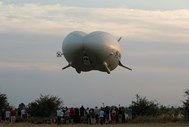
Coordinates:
[105,125]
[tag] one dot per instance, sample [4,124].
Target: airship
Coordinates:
[97,50]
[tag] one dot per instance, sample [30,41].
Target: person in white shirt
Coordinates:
[23,114]
[7,116]
[59,116]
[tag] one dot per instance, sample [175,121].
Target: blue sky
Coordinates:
[155,44]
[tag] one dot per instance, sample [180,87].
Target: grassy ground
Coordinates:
[108,125]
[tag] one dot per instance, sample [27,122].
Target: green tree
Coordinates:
[45,106]
[4,101]
[186,105]
[143,107]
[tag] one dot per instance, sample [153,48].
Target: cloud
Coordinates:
[32,22]
[31,34]
[30,66]
[59,19]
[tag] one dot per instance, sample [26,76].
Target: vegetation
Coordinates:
[45,106]
[4,101]
[186,105]
[107,125]
[143,110]
[144,107]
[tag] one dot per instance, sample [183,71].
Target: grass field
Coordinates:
[105,125]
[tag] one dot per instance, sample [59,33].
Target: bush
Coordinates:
[45,106]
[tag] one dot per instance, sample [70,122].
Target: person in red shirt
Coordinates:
[72,114]
[13,116]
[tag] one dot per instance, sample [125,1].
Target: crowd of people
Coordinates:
[13,115]
[103,115]
[94,115]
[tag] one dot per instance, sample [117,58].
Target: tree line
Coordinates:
[143,109]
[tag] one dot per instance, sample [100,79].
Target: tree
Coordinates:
[4,101]
[45,106]
[21,106]
[186,105]
[144,107]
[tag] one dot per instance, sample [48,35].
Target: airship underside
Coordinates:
[95,51]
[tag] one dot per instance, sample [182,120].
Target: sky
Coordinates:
[155,44]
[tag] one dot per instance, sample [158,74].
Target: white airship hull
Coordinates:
[95,51]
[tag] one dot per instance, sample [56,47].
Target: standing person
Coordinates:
[13,115]
[3,115]
[67,116]
[96,111]
[92,116]
[82,114]
[113,116]
[7,116]
[72,114]
[101,115]
[23,115]
[59,114]
[129,111]
[120,115]
[88,116]
[107,113]
[76,118]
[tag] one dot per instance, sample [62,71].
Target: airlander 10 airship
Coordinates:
[94,51]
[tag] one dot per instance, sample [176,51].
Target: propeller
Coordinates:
[59,54]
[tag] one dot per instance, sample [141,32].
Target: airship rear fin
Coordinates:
[119,39]
[120,64]
[66,66]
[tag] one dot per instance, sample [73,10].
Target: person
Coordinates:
[7,116]
[107,114]
[129,111]
[23,115]
[76,118]
[67,116]
[113,116]
[88,115]
[59,114]
[2,115]
[13,115]
[120,115]
[82,114]
[92,116]
[72,115]
[101,115]
[96,111]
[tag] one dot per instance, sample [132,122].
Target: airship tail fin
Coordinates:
[120,64]
[69,65]
[119,39]
[66,66]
